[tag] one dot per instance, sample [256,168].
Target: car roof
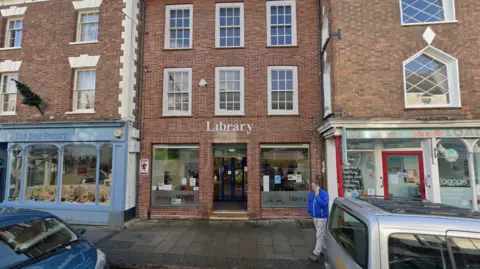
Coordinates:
[10,215]
[397,206]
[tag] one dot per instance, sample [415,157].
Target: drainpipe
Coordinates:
[320,57]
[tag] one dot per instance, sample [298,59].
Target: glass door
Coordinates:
[403,174]
[230,179]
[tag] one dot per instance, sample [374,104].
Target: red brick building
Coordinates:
[78,160]
[229,107]
[401,108]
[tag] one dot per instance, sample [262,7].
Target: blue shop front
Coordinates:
[77,171]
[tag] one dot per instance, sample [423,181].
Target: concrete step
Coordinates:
[229,215]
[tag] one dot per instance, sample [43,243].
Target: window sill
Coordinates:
[220,114]
[226,48]
[11,48]
[8,114]
[427,23]
[433,107]
[83,42]
[180,49]
[285,46]
[283,114]
[80,112]
[175,116]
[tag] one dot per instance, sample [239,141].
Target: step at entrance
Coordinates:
[236,215]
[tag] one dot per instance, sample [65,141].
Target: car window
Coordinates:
[351,234]
[26,240]
[466,252]
[406,251]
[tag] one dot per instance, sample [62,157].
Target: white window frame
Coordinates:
[452,73]
[291,3]
[225,112]
[75,96]
[218,6]
[448,14]
[168,8]
[167,112]
[78,38]
[294,111]
[2,94]
[8,32]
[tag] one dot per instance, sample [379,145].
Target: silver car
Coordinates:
[401,233]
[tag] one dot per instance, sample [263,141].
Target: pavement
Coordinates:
[207,244]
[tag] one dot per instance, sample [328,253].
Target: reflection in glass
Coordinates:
[359,175]
[41,173]
[105,181]
[15,173]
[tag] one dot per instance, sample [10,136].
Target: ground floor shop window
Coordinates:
[359,170]
[453,168]
[175,175]
[285,175]
[15,173]
[41,173]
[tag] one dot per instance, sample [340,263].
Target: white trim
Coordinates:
[79,23]
[82,43]
[452,73]
[448,14]
[291,3]
[75,110]
[285,146]
[13,11]
[166,112]
[327,90]
[10,48]
[168,8]
[12,113]
[218,6]
[9,66]
[86,4]
[83,61]
[176,146]
[8,32]
[295,110]
[5,3]
[81,111]
[224,112]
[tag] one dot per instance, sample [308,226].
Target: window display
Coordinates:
[15,173]
[175,175]
[359,174]
[41,173]
[285,175]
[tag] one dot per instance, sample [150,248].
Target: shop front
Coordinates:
[438,161]
[76,171]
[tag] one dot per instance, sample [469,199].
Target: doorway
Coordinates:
[230,177]
[403,174]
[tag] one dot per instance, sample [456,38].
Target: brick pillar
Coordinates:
[253,164]
[144,183]
[205,206]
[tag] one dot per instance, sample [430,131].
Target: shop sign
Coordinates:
[144,167]
[35,136]
[229,127]
[414,133]
[451,155]
[454,182]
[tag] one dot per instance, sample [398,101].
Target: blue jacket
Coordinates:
[318,205]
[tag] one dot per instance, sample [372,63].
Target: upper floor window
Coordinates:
[281,23]
[13,36]
[431,80]
[282,90]
[427,11]
[177,92]
[229,91]
[87,29]
[84,90]
[178,32]
[8,96]
[229,25]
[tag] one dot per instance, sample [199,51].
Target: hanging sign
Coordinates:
[144,167]
[451,155]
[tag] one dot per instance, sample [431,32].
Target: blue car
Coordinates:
[35,239]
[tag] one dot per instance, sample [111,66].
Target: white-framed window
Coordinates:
[281,23]
[8,96]
[87,27]
[178,26]
[229,91]
[13,35]
[282,90]
[431,79]
[84,90]
[229,25]
[177,92]
[427,11]
[327,89]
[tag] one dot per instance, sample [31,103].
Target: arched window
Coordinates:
[15,173]
[431,80]
[41,173]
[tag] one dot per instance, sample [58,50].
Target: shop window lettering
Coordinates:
[451,182]
[185,198]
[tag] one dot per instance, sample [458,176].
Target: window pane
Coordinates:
[15,173]
[175,176]
[422,11]
[105,181]
[179,33]
[41,173]
[418,251]
[85,99]
[351,234]
[359,175]
[79,174]
[466,252]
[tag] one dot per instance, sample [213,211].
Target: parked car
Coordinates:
[401,233]
[37,239]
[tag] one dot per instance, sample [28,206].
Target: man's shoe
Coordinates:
[314,258]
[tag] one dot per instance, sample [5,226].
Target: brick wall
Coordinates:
[48,28]
[203,59]
[368,70]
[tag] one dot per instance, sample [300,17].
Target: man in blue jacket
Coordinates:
[318,209]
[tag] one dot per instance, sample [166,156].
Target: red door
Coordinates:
[403,174]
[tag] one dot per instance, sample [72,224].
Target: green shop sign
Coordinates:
[413,133]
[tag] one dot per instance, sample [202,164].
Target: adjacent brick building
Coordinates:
[79,158]
[400,103]
[229,107]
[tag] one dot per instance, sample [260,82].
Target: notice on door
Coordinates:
[144,167]
[266,183]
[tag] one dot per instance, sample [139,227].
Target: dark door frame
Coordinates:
[232,171]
